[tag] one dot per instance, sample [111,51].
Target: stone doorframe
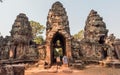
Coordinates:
[49,39]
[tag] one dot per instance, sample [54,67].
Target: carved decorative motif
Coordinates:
[57,29]
[95,29]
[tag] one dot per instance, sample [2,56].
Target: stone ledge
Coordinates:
[12,70]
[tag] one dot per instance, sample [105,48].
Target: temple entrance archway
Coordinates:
[64,39]
[58,47]
[57,30]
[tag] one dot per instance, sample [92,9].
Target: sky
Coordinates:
[77,11]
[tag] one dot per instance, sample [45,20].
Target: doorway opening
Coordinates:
[101,40]
[58,47]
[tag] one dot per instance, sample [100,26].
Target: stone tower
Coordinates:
[57,28]
[95,33]
[21,30]
[21,34]
[57,16]
[95,28]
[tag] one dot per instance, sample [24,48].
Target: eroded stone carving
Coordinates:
[4,47]
[95,29]
[116,45]
[21,34]
[57,29]
[95,33]
[57,18]
[12,70]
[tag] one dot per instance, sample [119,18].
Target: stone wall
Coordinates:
[12,70]
[116,45]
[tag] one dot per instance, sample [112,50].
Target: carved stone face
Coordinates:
[95,29]
[98,29]
[17,28]
[21,30]
[16,31]
[57,16]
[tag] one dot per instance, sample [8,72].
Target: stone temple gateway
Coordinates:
[57,29]
[96,46]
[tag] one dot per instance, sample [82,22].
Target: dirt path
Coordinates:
[87,71]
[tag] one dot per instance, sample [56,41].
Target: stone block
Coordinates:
[12,70]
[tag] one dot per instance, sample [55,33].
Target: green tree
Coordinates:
[79,35]
[38,40]
[37,30]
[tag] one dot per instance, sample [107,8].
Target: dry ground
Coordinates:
[89,70]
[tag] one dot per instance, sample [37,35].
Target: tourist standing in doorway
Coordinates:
[65,60]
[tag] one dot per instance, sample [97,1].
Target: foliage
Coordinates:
[37,30]
[79,35]
[39,40]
